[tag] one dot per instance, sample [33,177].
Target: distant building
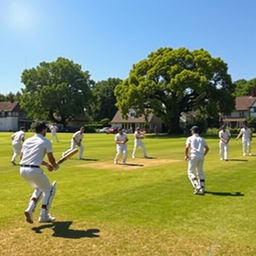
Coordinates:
[245,107]
[153,124]
[12,117]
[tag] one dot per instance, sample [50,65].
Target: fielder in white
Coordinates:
[17,140]
[53,128]
[76,141]
[121,146]
[195,150]
[246,134]
[32,154]
[224,136]
[138,137]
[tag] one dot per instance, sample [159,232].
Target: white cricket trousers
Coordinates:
[121,150]
[42,187]
[223,150]
[73,146]
[139,143]
[16,146]
[55,137]
[246,144]
[195,171]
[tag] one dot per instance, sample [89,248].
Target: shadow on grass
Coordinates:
[148,157]
[224,193]
[89,159]
[62,229]
[238,160]
[129,164]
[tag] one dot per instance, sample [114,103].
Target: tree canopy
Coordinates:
[104,100]
[172,81]
[55,91]
[245,87]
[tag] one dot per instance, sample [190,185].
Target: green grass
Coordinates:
[142,211]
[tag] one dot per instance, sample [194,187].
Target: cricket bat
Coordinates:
[67,156]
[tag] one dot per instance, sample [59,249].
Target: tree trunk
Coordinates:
[173,122]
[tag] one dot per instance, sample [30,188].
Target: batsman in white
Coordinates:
[246,134]
[195,150]
[77,140]
[17,140]
[138,137]
[54,128]
[32,155]
[121,146]
[224,136]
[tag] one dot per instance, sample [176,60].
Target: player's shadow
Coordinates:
[238,160]
[62,229]
[224,193]
[130,164]
[89,159]
[148,157]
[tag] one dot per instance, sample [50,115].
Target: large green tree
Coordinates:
[172,81]
[104,100]
[56,91]
[245,87]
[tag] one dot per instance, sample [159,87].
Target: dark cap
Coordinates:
[40,126]
[194,128]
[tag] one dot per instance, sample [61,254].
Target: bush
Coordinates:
[199,121]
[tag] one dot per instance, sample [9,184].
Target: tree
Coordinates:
[245,88]
[104,100]
[10,97]
[170,81]
[56,91]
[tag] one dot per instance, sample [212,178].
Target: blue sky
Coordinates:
[106,37]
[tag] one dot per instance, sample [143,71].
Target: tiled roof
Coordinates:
[244,102]
[8,106]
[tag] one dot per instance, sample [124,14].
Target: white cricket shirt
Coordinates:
[246,134]
[78,136]
[224,134]
[197,145]
[18,136]
[34,149]
[138,135]
[120,137]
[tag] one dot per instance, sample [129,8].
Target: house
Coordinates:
[245,107]
[12,117]
[153,124]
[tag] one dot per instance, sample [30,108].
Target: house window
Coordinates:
[253,109]
[241,114]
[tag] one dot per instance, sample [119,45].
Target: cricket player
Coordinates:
[32,157]
[17,140]
[138,137]
[76,141]
[246,134]
[53,128]
[121,139]
[195,150]
[224,136]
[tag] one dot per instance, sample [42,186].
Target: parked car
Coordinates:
[104,130]
[112,130]
[109,130]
